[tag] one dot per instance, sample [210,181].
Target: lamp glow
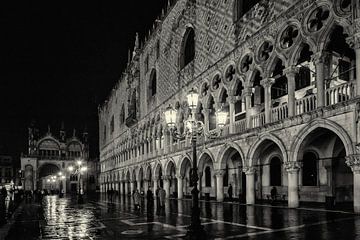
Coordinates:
[221,117]
[192,98]
[170,116]
[79,162]
[71,168]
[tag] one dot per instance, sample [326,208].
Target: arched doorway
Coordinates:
[323,170]
[185,171]
[231,164]
[207,186]
[171,175]
[268,161]
[44,181]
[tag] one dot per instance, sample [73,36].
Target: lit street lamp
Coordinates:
[78,169]
[193,129]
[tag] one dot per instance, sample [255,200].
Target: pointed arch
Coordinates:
[224,150]
[187,51]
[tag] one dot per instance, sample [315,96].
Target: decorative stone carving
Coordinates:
[353,161]
[292,166]
[267,82]
[318,19]
[249,170]
[219,173]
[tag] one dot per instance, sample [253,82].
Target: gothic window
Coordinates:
[275,172]
[310,169]
[279,88]
[207,177]
[146,64]
[122,114]
[112,124]
[318,18]
[188,48]
[246,63]
[132,106]
[212,116]
[104,133]
[157,49]
[289,36]
[265,51]
[153,83]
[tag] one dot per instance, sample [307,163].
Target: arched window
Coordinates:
[207,177]
[188,48]
[309,170]
[153,83]
[275,171]
[122,114]
[212,116]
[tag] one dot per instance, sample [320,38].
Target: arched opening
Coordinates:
[44,181]
[231,163]
[188,48]
[212,115]
[128,183]
[303,77]
[224,104]
[268,169]
[153,83]
[171,174]
[141,180]
[279,88]
[275,171]
[29,178]
[185,171]
[159,176]
[240,102]
[258,94]
[324,171]
[340,67]
[207,177]
[206,161]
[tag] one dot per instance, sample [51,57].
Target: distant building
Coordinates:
[48,155]
[6,170]
[286,71]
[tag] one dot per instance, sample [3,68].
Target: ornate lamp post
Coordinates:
[78,169]
[194,128]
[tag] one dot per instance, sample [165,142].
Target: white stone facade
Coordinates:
[286,71]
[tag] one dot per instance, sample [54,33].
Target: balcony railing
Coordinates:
[339,93]
[279,113]
[240,126]
[305,104]
[258,120]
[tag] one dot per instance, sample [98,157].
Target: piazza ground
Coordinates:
[63,218]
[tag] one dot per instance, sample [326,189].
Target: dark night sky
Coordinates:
[58,62]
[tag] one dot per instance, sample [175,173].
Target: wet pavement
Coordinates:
[63,218]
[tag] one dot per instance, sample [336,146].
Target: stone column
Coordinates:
[146,185]
[132,186]
[318,60]
[353,161]
[206,113]
[247,96]
[232,101]
[267,83]
[180,180]
[293,184]
[155,185]
[166,180]
[126,188]
[290,74]
[250,184]
[219,185]
[121,188]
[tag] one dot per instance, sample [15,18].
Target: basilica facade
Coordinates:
[45,165]
[288,74]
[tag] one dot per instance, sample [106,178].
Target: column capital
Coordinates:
[166,178]
[247,92]
[320,57]
[267,82]
[232,99]
[249,170]
[354,41]
[353,161]
[292,167]
[179,176]
[219,173]
[291,71]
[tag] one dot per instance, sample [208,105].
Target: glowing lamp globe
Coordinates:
[192,99]
[71,168]
[170,116]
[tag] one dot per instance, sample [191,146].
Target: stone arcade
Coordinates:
[287,72]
